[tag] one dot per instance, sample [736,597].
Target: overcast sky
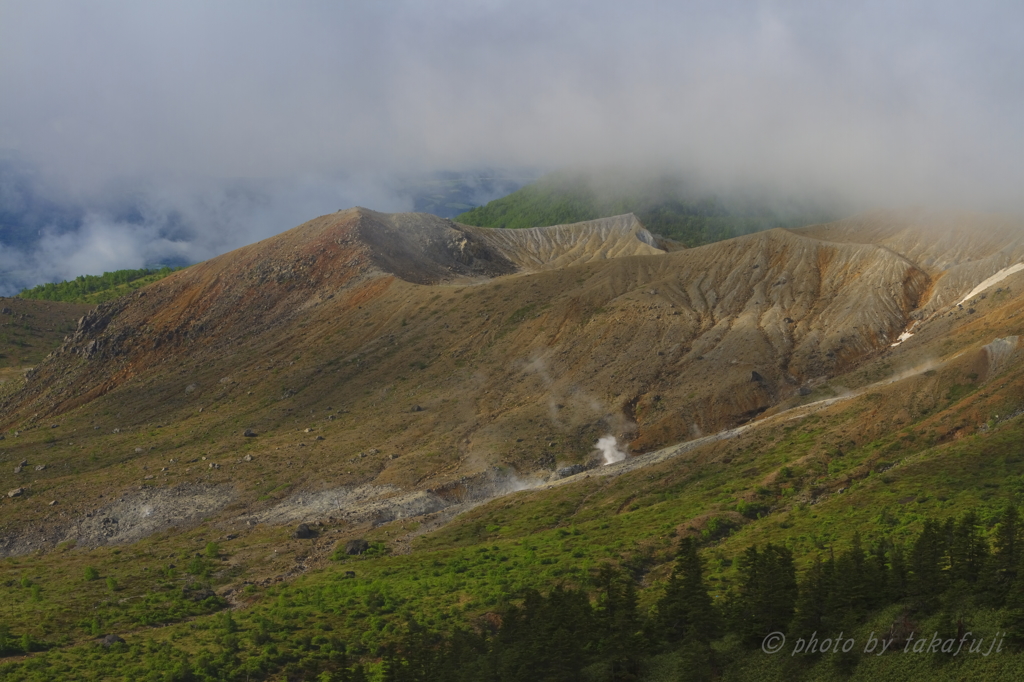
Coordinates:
[888,103]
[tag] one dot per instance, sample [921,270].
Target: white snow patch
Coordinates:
[904,336]
[994,279]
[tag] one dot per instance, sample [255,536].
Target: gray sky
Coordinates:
[887,103]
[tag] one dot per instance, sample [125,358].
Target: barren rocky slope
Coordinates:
[394,365]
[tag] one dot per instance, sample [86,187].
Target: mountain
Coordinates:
[449,393]
[669,205]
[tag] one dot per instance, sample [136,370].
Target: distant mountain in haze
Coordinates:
[449,193]
[48,233]
[667,205]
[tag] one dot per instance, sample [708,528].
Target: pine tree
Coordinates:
[814,597]
[686,611]
[897,585]
[877,575]
[968,550]
[767,594]
[848,598]
[1006,557]
[926,580]
[622,644]
[1013,615]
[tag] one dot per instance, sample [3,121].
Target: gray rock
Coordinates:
[200,595]
[571,470]
[303,532]
[249,433]
[355,547]
[111,640]
[16,492]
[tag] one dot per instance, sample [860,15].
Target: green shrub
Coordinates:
[91,573]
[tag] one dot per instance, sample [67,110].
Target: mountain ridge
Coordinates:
[782,306]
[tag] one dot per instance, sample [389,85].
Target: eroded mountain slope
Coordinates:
[325,342]
[957,250]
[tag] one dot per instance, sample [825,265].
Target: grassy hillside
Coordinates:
[93,289]
[29,330]
[929,446]
[157,593]
[881,483]
[664,205]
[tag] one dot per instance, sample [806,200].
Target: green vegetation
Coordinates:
[96,288]
[423,619]
[663,206]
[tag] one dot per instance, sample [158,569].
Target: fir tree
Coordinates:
[686,610]
[926,580]
[767,593]
[848,598]
[968,550]
[1013,615]
[814,597]
[1006,556]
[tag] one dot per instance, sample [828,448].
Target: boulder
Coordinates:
[199,595]
[111,640]
[354,547]
[16,492]
[571,470]
[303,532]
[249,433]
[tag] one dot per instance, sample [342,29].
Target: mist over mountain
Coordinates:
[50,233]
[224,125]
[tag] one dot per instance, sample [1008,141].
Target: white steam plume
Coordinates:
[609,447]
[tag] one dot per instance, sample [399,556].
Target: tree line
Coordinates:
[554,637]
[945,574]
[84,285]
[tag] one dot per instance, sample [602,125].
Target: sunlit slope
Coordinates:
[957,250]
[423,355]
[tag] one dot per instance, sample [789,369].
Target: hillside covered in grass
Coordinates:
[665,205]
[30,330]
[93,289]
[317,458]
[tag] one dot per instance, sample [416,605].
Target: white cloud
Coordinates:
[887,103]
